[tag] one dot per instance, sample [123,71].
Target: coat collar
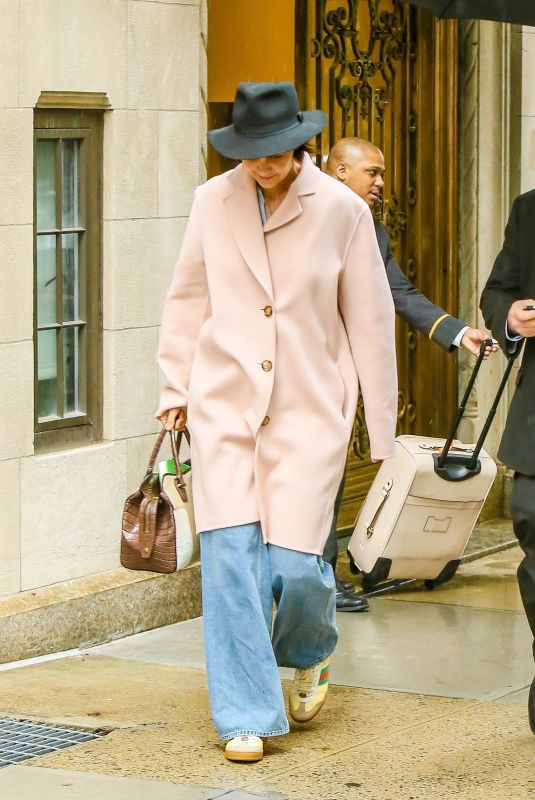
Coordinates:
[244,215]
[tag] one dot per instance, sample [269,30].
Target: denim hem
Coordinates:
[261,734]
[314,663]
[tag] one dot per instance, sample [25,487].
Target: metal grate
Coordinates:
[21,739]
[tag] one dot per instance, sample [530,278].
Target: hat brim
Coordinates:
[234,145]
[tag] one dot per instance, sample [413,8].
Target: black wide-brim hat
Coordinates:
[266,121]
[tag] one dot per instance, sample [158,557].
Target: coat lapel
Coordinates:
[291,207]
[246,226]
[244,216]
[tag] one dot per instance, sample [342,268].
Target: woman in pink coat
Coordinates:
[279,310]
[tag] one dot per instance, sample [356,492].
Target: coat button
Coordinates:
[265,421]
[267,365]
[268,311]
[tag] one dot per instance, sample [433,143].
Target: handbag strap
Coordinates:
[176,441]
[175,449]
[155,451]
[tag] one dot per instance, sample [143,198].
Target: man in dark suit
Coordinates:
[361,166]
[508,306]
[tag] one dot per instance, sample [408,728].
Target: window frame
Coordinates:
[86,126]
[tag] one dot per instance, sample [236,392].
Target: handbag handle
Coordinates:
[176,441]
[175,449]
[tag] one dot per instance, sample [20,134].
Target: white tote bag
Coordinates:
[175,483]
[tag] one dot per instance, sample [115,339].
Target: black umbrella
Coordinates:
[520,12]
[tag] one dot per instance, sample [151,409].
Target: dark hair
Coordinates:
[300,151]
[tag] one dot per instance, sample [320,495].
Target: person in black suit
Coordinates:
[508,307]
[361,166]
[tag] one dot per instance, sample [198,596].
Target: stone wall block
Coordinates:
[130,164]
[16,167]
[9,63]
[139,258]
[16,283]
[71,516]
[10,528]
[203,11]
[130,383]
[73,45]
[16,399]
[163,56]
[178,161]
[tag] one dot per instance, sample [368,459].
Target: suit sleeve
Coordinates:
[504,286]
[186,308]
[416,309]
[367,309]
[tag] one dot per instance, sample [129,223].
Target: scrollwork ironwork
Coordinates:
[356,62]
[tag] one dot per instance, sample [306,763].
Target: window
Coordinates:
[67,268]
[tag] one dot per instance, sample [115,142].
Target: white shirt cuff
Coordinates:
[512,337]
[458,339]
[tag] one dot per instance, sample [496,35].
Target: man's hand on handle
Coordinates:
[519,321]
[174,419]
[472,339]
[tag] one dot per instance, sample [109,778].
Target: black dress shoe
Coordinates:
[351,602]
[531,707]
[344,588]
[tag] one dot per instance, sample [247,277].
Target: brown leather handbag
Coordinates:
[153,519]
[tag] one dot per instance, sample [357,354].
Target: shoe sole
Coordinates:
[233,755]
[351,610]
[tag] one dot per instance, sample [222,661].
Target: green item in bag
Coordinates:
[167,467]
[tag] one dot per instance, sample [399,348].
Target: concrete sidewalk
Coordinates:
[428,701]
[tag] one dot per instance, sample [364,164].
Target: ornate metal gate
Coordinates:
[387,72]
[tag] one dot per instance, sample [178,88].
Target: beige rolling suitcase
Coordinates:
[423,505]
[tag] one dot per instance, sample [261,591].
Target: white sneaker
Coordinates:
[245,748]
[308,691]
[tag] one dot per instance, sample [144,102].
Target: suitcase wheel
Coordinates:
[367,585]
[352,566]
[446,575]
[379,573]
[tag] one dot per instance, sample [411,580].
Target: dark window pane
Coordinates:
[47,374]
[46,279]
[71,369]
[71,277]
[46,184]
[71,184]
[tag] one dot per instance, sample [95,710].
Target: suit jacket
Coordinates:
[513,278]
[412,306]
[268,332]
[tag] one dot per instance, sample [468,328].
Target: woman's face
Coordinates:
[269,171]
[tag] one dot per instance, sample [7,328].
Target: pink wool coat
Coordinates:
[267,334]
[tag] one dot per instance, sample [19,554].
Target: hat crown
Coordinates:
[263,108]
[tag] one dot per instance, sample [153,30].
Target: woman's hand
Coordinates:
[174,419]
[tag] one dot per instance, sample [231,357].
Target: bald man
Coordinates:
[361,166]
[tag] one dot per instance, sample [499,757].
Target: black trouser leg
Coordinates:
[330,552]
[523,514]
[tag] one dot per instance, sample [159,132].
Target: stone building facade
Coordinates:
[143,61]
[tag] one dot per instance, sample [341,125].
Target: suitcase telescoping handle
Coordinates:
[460,466]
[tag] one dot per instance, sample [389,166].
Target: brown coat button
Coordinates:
[268,311]
[267,365]
[266,421]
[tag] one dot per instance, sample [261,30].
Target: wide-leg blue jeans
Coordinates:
[241,577]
